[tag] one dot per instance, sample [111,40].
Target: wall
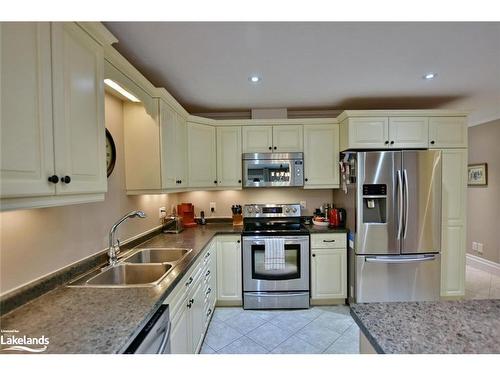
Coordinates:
[37,242]
[483,221]
[225,199]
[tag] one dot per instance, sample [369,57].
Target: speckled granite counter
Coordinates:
[103,320]
[318,229]
[471,326]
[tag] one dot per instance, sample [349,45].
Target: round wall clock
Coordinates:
[110,152]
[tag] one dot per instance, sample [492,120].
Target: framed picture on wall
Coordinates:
[477,174]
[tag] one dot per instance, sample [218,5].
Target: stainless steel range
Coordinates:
[275,257]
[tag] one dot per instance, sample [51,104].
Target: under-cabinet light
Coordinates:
[115,86]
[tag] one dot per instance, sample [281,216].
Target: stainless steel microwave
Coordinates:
[273,169]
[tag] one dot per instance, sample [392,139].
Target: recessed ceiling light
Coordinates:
[254,79]
[429,76]
[115,86]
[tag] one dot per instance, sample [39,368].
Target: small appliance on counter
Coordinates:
[186,212]
[172,223]
[237,215]
[203,221]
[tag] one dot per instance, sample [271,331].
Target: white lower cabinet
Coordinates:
[229,281]
[328,267]
[191,304]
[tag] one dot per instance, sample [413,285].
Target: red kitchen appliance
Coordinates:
[186,211]
[337,217]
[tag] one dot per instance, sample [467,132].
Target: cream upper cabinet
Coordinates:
[365,132]
[173,130]
[454,192]
[229,282]
[329,274]
[201,155]
[448,132]
[229,156]
[288,138]
[321,156]
[52,116]
[257,138]
[26,136]
[78,92]
[408,132]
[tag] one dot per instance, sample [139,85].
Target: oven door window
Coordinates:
[290,271]
[269,172]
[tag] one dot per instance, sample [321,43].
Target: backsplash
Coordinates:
[224,199]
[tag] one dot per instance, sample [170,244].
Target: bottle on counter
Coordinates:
[203,221]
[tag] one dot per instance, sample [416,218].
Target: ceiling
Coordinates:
[304,65]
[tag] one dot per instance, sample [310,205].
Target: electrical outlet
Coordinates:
[479,248]
[212,207]
[303,204]
[474,246]
[162,212]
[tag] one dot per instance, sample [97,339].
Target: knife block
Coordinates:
[237,220]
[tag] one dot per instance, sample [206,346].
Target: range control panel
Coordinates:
[272,210]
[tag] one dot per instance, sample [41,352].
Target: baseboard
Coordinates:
[483,264]
[327,301]
[237,303]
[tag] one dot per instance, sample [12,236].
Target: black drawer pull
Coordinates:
[208,291]
[208,273]
[54,179]
[189,281]
[209,312]
[328,240]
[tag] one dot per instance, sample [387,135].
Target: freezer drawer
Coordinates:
[398,278]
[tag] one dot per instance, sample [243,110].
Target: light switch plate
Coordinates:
[213,208]
[303,204]
[474,246]
[479,248]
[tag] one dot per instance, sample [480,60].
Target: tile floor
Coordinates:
[480,284]
[321,329]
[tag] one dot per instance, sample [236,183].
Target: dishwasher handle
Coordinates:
[399,259]
[165,339]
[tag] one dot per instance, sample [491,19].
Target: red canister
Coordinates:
[333,217]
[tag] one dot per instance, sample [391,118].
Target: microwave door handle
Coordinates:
[407,202]
[164,339]
[400,204]
[399,259]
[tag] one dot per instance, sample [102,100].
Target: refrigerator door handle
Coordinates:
[400,259]
[400,204]
[407,203]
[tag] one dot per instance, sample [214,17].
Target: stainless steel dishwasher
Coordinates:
[154,338]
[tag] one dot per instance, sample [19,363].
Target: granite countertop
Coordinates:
[446,327]
[104,320]
[319,229]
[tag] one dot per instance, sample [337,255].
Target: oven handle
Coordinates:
[260,240]
[273,294]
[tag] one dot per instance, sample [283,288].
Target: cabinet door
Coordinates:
[179,336]
[79,132]
[368,132]
[448,132]
[229,156]
[229,268]
[257,138]
[454,166]
[321,156]
[409,132]
[329,273]
[26,137]
[169,149]
[288,138]
[197,315]
[201,155]
[181,148]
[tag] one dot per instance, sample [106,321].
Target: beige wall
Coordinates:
[225,199]
[37,242]
[483,221]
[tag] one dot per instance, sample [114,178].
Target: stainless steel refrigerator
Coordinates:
[395,254]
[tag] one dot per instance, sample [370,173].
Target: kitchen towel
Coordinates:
[274,253]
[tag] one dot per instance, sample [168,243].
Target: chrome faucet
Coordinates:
[114,245]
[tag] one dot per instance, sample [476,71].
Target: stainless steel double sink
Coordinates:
[141,268]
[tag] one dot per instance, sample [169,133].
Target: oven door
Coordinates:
[293,277]
[272,173]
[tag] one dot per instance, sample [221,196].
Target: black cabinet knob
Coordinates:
[392,142]
[275,147]
[306,179]
[238,241]
[239,181]
[386,142]
[180,181]
[66,179]
[215,181]
[54,179]
[314,255]
[270,148]
[432,142]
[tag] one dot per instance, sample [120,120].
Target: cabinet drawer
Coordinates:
[328,240]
